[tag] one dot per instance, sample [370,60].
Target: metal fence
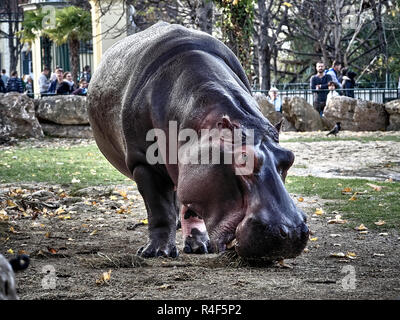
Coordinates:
[359,84]
[378,95]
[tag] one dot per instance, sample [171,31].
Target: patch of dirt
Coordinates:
[75,240]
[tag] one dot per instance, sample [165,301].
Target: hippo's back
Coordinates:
[124,71]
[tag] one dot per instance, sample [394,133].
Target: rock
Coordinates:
[17,116]
[67,131]
[301,114]
[355,114]
[268,110]
[68,109]
[393,109]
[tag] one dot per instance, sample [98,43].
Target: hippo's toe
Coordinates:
[197,242]
[157,250]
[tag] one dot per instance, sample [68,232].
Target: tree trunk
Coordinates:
[74,46]
[264,53]
[205,15]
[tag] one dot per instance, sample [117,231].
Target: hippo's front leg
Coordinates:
[159,197]
[194,232]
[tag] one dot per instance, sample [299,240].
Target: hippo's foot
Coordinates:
[158,249]
[197,242]
[194,232]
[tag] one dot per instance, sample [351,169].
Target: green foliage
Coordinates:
[71,23]
[31,25]
[237,26]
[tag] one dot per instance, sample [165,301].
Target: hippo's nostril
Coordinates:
[283,231]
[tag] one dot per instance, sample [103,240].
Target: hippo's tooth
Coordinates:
[231,244]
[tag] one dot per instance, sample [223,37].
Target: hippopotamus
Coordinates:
[8,289]
[171,74]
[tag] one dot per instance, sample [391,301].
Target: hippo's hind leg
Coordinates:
[194,232]
[158,195]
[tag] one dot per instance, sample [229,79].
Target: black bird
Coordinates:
[335,129]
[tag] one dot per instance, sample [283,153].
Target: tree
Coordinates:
[72,25]
[11,13]
[271,21]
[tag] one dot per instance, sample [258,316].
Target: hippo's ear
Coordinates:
[278,126]
[226,123]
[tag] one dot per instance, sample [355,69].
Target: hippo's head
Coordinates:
[248,210]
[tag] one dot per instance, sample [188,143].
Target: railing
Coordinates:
[370,94]
[360,84]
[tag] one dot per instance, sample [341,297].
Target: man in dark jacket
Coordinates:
[319,85]
[14,84]
[2,86]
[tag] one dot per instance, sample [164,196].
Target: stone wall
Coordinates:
[354,114]
[59,116]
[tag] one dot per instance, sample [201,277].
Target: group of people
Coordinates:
[61,82]
[326,82]
[324,85]
[13,83]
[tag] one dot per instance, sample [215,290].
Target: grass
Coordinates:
[77,167]
[368,205]
[339,138]
[82,166]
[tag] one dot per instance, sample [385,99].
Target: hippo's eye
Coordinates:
[244,156]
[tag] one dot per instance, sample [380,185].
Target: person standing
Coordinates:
[14,84]
[332,91]
[86,74]
[274,99]
[2,86]
[44,81]
[334,72]
[319,85]
[4,76]
[348,82]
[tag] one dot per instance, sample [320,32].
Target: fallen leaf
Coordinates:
[10,251]
[12,230]
[105,278]
[361,227]
[3,215]
[52,250]
[353,198]
[378,255]
[144,221]
[47,235]
[335,235]
[300,199]
[93,232]
[345,190]
[338,219]
[75,180]
[380,223]
[337,255]
[319,211]
[282,264]
[375,187]
[351,255]
[165,286]
[314,239]
[384,234]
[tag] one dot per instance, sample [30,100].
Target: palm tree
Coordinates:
[72,25]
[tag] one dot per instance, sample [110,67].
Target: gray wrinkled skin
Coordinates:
[7,280]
